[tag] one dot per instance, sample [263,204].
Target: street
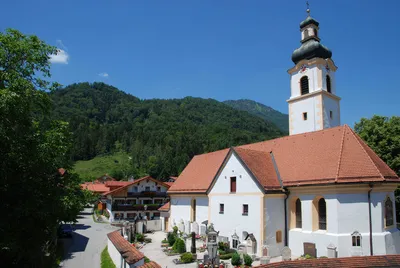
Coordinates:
[87,242]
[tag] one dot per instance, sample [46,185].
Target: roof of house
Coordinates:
[335,155]
[151,264]
[116,183]
[172,177]
[354,262]
[165,207]
[127,250]
[135,182]
[62,171]
[95,187]
[169,183]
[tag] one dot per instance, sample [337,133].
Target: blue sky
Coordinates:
[221,49]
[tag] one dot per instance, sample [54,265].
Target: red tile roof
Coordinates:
[61,171]
[165,207]
[353,262]
[117,183]
[169,183]
[127,250]
[151,264]
[95,187]
[199,173]
[335,155]
[129,183]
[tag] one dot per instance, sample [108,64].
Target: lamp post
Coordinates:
[212,245]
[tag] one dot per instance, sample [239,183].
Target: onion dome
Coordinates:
[309,20]
[312,48]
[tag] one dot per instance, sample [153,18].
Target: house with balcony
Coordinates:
[136,200]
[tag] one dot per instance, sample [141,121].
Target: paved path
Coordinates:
[153,251]
[83,250]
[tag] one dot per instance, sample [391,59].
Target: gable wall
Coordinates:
[274,211]
[247,192]
[141,186]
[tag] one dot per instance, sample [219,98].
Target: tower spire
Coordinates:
[308,8]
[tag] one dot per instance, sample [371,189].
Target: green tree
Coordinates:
[33,147]
[382,134]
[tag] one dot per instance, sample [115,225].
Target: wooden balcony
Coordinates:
[130,207]
[147,194]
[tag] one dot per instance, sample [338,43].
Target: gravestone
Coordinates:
[203,229]
[195,227]
[331,250]
[187,227]
[286,254]
[309,248]
[265,251]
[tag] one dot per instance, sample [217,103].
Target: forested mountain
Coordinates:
[160,135]
[267,113]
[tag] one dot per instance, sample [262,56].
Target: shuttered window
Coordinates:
[233,184]
[304,85]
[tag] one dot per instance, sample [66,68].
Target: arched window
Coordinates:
[193,210]
[298,214]
[315,32]
[388,212]
[304,85]
[322,214]
[328,84]
[356,239]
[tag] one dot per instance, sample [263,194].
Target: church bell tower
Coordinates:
[313,103]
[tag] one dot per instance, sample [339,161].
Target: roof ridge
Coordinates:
[369,157]
[340,154]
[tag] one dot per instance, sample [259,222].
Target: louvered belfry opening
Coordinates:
[304,85]
[328,84]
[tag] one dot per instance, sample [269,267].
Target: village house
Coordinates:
[321,188]
[136,199]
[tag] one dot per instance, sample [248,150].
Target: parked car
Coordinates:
[65,231]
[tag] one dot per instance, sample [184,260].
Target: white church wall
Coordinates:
[274,212]
[247,192]
[314,119]
[311,73]
[331,105]
[201,209]
[180,209]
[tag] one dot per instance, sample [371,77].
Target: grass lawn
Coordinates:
[106,261]
[101,165]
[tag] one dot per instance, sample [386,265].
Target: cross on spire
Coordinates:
[308,8]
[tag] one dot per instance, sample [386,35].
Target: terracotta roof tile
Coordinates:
[199,173]
[327,156]
[117,183]
[95,187]
[165,207]
[127,250]
[151,264]
[169,183]
[261,165]
[353,262]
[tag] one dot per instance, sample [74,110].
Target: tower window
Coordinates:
[331,114]
[304,116]
[304,85]
[328,84]
[315,32]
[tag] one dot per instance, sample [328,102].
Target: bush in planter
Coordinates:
[164,241]
[179,246]
[139,237]
[187,257]
[236,259]
[226,256]
[171,237]
[247,260]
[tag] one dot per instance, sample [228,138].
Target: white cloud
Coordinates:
[60,57]
[103,75]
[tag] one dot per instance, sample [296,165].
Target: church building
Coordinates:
[321,188]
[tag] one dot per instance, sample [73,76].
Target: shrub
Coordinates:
[226,256]
[223,246]
[106,213]
[146,260]
[171,237]
[247,260]
[175,230]
[308,256]
[179,246]
[323,257]
[164,241]
[236,259]
[139,237]
[187,257]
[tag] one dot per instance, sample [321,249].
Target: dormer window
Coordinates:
[304,85]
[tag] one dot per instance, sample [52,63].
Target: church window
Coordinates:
[221,208]
[279,236]
[235,243]
[233,184]
[331,114]
[388,212]
[304,85]
[356,239]
[298,214]
[322,214]
[328,84]
[193,210]
[304,116]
